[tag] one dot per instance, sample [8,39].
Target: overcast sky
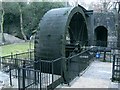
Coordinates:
[89,1]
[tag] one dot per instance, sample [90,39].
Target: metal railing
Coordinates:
[48,74]
[116,68]
[78,63]
[30,77]
[110,44]
[43,74]
[15,60]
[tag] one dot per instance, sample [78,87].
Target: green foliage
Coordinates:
[12,19]
[11,7]
[32,14]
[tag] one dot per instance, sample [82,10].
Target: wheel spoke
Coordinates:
[70,54]
[80,32]
[71,32]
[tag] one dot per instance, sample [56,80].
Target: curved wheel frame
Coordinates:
[76,36]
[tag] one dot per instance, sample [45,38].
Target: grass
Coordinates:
[15,48]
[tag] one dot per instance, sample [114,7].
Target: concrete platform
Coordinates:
[97,75]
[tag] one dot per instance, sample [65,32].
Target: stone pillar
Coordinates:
[118,30]
[90,26]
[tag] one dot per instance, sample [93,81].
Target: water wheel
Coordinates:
[63,33]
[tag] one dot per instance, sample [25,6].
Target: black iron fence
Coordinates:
[46,76]
[29,55]
[22,66]
[15,60]
[111,44]
[10,64]
[103,53]
[116,67]
[30,77]
[27,76]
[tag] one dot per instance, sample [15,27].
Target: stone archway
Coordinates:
[101,36]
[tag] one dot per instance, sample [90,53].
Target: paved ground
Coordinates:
[98,75]
[4,80]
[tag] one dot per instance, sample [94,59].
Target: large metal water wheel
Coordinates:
[76,36]
[62,33]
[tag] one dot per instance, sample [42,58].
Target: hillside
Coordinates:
[9,39]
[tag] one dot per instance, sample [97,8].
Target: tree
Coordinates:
[21,20]
[34,12]
[73,2]
[12,19]
[2,23]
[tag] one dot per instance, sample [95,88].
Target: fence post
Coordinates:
[110,56]
[0,62]
[40,73]
[35,73]
[15,58]
[11,56]
[62,69]
[10,76]
[16,64]
[79,66]
[23,72]
[30,55]
[19,83]
[113,67]
[104,59]
[28,52]
[10,70]
[52,72]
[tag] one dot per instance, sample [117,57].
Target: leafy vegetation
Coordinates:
[22,19]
